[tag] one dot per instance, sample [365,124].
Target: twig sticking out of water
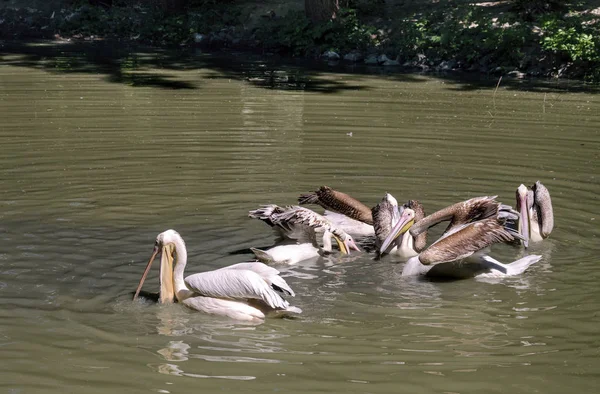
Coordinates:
[544,106]
[494,98]
[495,90]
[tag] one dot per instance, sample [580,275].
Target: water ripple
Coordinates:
[87,184]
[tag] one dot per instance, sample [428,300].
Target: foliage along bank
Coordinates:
[558,41]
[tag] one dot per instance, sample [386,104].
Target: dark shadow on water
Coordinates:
[118,65]
[248,251]
[151,67]
[149,296]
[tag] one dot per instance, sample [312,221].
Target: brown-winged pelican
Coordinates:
[536,215]
[344,211]
[244,291]
[458,214]
[303,227]
[386,215]
[461,251]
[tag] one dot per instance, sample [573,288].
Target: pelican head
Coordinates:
[344,241]
[165,243]
[167,237]
[407,219]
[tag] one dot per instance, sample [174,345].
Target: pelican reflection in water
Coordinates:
[244,291]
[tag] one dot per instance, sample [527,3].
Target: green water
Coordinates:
[99,156]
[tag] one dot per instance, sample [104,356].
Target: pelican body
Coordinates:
[462,251]
[300,227]
[536,219]
[244,291]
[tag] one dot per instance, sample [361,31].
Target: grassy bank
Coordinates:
[504,37]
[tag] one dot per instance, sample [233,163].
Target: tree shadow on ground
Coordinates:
[156,68]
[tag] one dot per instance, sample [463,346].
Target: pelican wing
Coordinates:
[468,211]
[320,224]
[478,208]
[466,240]
[507,212]
[348,225]
[235,284]
[265,212]
[285,222]
[383,214]
[339,202]
[295,215]
[269,275]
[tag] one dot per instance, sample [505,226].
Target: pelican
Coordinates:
[244,291]
[300,226]
[536,215]
[462,251]
[344,211]
[386,215]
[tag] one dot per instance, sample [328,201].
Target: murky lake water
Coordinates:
[100,156]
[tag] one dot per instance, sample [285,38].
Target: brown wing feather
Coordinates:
[339,202]
[308,198]
[382,219]
[460,213]
[466,241]
[304,216]
[475,209]
[266,212]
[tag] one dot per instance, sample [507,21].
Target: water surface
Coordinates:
[98,157]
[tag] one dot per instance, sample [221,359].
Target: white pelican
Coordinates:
[536,215]
[461,251]
[386,215]
[342,210]
[302,227]
[244,291]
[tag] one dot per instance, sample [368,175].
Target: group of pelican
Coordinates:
[253,290]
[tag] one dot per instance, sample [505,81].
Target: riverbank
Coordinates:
[483,37]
